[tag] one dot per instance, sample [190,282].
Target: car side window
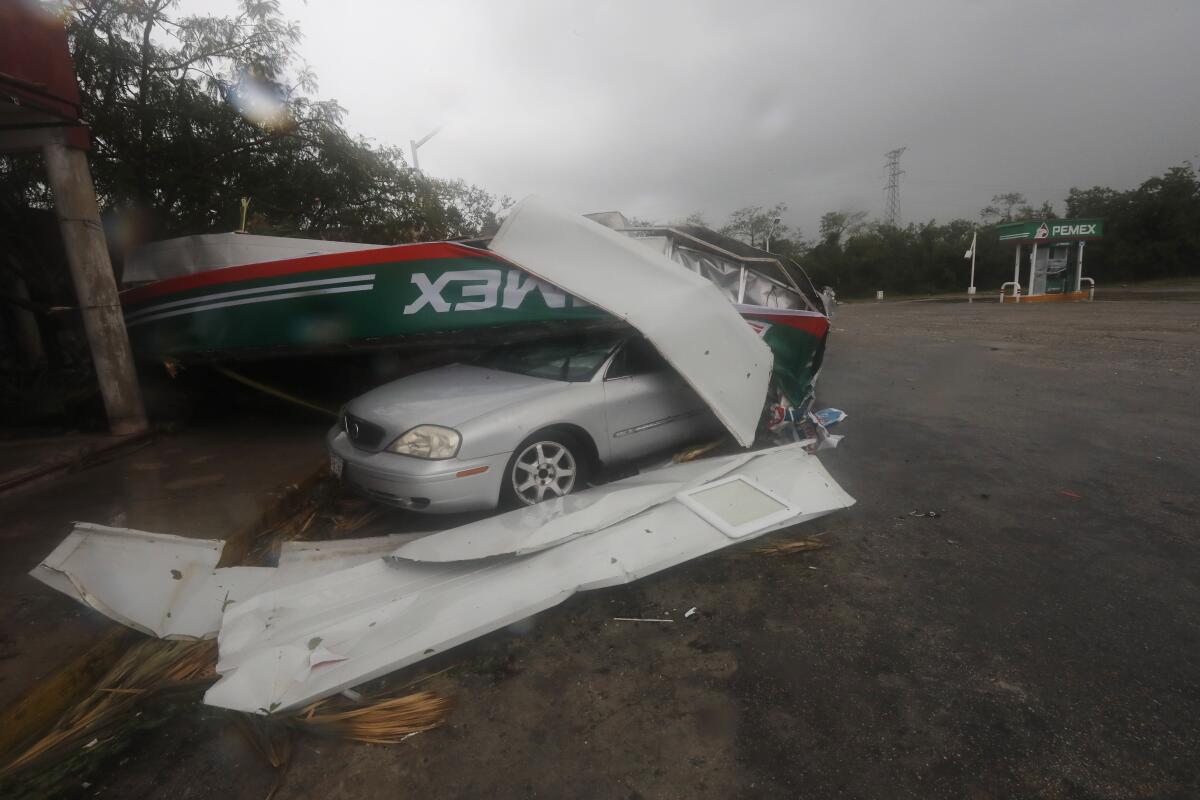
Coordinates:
[636,357]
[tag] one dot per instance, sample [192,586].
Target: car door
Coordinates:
[647,405]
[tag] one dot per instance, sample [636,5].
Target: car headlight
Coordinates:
[427,441]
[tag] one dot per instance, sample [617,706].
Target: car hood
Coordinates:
[446,396]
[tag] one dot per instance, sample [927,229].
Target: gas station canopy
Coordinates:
[1055,258]
[1052,230]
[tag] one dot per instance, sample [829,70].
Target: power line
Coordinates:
[891,189]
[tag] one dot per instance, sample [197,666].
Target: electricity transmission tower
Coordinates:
[891,189]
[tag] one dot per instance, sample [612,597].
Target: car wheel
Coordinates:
[549,464]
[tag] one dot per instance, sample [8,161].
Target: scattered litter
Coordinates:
[691,612]
[794,546]
[693,453]
[1070,494]
[350,694]
[351,523]
[91,744]
[812,426]
[915,513]
[811,566]
[829,416]
[640,619]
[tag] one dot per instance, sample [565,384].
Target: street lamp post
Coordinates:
[771,231]
[971,255]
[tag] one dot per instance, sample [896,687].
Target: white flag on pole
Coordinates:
[971,252]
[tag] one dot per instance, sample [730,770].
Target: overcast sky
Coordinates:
[660,109]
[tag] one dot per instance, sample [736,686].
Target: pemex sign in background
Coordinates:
[1052,230]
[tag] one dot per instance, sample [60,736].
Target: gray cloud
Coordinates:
[664,108]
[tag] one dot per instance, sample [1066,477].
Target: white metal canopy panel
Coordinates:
[280,649]
[335,614]
[166,586]
[170,586]
[185,255]
[557,521]
[684,316]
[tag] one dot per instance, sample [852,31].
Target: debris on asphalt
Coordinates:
[170,586]
[813,425]
[640,619]
[691,612]
[1070,494]
[828,417]
[148,669]
[547,525]
[931,514]
[390,613]
[388,720]
[794,546]
[353,522]
[369,615]
[692,453]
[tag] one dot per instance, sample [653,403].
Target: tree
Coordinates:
[190,113]
[753,225]
[1001,207]
[1151,231]
[696,218]
[835,224]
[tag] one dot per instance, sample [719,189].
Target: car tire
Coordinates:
[534,474]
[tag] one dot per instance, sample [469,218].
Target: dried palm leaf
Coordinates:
[385,720]
[788,548]
[149,668]
[693,453]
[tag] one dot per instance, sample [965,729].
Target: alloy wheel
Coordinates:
[543,469]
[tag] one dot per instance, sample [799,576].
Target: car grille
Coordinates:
[362,433]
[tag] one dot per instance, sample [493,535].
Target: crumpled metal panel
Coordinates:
[682,314]
[281,649]
[170,587]
[163,585]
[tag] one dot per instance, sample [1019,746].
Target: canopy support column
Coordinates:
[96,289]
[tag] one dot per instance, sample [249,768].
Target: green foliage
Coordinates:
[1152,231]
[191,113]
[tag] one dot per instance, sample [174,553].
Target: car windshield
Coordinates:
[575,359]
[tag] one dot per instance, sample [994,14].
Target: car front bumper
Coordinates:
[433,487]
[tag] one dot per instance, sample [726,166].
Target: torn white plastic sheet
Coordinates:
[283,648]
[685,316]
[170,587]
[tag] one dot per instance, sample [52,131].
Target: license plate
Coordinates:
[335,465]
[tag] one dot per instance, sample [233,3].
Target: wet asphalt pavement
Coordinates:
[1038,637]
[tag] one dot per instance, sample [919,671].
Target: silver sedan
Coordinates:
[524,423]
